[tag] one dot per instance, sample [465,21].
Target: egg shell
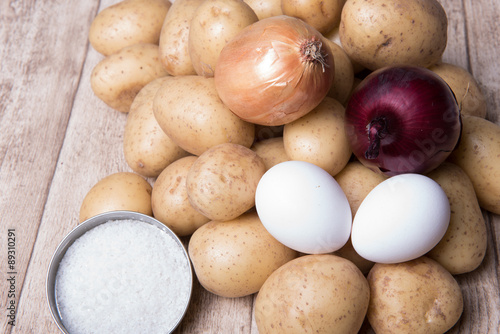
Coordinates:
[401,219]
[303,207]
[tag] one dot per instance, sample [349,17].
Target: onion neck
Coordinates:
[377,130]
[311,51]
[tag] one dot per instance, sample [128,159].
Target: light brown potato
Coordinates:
[169,199]
[146,147]
[357,180]
[234,258]
[118,78]
[415,297]
[265,8]
[272,151]
[215,23]
[463,247]
[222,182]
[334,37]
[313,294]
[191,113]
[322,15]
[382,33]
[469,96]
[344,74]
[118,191]
[319,137]
[126,23]
[174,38]
[478,154]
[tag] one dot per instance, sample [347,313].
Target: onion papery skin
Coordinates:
[414,114]
[264,76]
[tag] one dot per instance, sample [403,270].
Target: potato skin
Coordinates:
[215,23]
[381,33]
[313,294]
[147,149]
[319,137]
[343,80]
[322,15]
[126,23]
[463,247]
[118,78]
[118,191]
[200,121]
[169,199]
[478,154]
[234,258]
[414,297]
[174,38]
[271,150]
[222,182]
[265,8]
[469,96]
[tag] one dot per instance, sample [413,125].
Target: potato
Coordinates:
[265,8]
[469,96]
[190,112]
[313,294]
[356,180]
[214,23]
[478,154]
[413,297]
[344,74]
[322,15]
[221,184]
[118,78]
[382,33]
[271,150]
[147,149]
[169,199]
[174,38]
[234,258]
[126,23]
[334,37]
[118,191]
[319,137]
[463,247]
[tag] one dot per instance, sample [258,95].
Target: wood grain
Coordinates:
[57,140]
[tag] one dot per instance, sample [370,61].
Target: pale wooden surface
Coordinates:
[57,140]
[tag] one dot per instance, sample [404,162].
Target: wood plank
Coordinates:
[40,65]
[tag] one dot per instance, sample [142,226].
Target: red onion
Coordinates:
[402,119]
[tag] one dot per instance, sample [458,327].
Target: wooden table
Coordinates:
[57,140]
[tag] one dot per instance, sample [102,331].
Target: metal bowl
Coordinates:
[85,226]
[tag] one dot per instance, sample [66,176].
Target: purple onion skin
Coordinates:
[402,119]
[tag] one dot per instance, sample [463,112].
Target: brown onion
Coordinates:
[274,71]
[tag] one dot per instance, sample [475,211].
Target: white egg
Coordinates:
[303,207]
[401,219]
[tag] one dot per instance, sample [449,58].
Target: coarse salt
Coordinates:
[123,276]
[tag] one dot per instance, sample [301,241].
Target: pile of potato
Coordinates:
[205,163]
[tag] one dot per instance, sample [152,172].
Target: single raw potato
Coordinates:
[118,78]
[274,71]
[221,183]
[415,297]
[334,36]
[191,113]
[169,199]
[322,15]
[405,32]
[174,38]
[234,258]
[478,153]
[147,149]
[265,8]
[344,74]
[313,294]
[214,24]
[469,96]
[118,191]
[126,23]
[271,150]
[463,247]
[319,137]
